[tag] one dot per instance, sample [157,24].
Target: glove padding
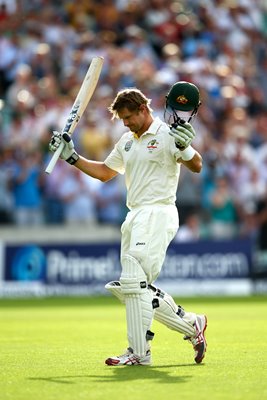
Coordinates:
[68,153]
[183,135]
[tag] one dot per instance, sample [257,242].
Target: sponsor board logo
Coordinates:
[29,264]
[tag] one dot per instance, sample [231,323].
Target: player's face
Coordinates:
[134,120]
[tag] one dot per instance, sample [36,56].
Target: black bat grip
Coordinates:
[66,137]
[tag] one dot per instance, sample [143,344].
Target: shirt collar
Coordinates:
[152,130]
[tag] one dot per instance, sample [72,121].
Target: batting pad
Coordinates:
[166,313]
[166,310]
[138,302]
[115,288]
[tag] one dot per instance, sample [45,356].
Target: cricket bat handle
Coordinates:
[54,159]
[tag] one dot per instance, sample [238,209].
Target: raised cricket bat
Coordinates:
[83,97]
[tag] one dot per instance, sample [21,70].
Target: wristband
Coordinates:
[73,158]
[188,153]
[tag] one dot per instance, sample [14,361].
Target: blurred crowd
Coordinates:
[46,47]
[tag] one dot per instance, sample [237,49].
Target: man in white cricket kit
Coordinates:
[150,155]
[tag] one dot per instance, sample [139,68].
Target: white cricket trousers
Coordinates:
[146,234]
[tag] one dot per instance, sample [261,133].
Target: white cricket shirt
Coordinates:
[149,164]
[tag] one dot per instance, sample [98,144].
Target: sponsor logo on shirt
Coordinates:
[140,244]
[128,145]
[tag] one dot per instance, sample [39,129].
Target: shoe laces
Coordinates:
[128,352]
[198,338]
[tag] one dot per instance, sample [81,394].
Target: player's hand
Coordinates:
[183,135]
[68,153]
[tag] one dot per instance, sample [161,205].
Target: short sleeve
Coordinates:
[115,161]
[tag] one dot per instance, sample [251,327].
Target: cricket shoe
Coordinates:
[128,358]
[199,341]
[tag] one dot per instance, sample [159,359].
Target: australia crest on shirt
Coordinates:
[152,145]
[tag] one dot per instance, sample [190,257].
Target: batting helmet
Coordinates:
[183,96]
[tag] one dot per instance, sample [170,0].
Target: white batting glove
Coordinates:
[68,153]
[183,135]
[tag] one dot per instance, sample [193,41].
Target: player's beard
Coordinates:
[136,129]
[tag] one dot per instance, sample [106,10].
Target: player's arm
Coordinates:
[183,136]
[95,169]
[195,164]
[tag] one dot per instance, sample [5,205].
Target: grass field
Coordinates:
[54,349]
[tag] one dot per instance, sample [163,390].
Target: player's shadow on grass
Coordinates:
[116,374]
[140,373]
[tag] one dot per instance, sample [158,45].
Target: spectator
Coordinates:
[76,192]
[250,198]
[212,169]
[6,198]
[26,189]
[11,56]
[223,213]
[23,80]
[53,203]
[109,200]
[261,220]
[190,231]
[188,195]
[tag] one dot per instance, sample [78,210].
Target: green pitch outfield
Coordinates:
[54,349]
